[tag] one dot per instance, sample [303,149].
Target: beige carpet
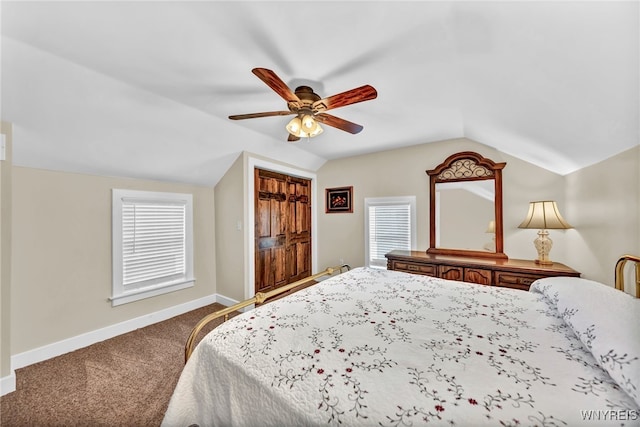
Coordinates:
[123,381]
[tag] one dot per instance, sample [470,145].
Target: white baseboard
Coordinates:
[8,383]
[226,301]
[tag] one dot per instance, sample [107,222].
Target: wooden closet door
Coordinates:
[282,229]
[270,230]
[299,242]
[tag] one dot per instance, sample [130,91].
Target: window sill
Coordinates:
[150,291]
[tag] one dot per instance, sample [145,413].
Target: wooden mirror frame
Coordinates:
[460,167]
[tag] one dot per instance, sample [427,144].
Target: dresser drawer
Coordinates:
[515,280]
[477,275]
[450,272]
[409,267]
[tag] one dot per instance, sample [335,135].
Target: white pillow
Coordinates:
[606,320]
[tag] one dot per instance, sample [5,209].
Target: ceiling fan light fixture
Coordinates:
[294,127]
[308,123]
[304,126]
[316,131]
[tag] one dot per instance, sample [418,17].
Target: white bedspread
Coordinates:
[383,348]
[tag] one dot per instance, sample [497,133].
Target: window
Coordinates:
[152,244]
[389,225]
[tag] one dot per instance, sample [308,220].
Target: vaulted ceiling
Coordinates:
[143,89]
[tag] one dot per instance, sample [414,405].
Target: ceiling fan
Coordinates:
[309,108]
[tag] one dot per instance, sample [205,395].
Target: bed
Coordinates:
[373,347]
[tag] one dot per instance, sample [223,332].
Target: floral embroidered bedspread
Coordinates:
[373,347]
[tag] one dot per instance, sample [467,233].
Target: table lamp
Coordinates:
[544,215]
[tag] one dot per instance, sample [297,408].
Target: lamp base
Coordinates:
[543,245]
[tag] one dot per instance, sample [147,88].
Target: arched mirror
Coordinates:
[465,212]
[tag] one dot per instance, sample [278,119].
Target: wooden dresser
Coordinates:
[509,273]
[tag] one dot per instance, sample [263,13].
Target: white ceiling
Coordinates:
[143,89]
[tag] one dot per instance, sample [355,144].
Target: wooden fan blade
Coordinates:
[337,122]
[293,138]
[359,94]
[256,115]
[275,83]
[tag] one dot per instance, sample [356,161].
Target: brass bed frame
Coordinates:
[259,298]
[620,272]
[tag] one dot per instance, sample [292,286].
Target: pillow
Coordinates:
[606,320]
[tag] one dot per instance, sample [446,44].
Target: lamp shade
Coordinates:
[491,228]
[294,127]
[309,125]
[544,215]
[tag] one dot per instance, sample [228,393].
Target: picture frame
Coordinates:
[339,200]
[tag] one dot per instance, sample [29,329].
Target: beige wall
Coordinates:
[62,255]
[401,172]
[603,205]
[602,202]
[5,254]
[230,197]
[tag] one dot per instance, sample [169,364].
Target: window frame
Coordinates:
[380,201]
[122,294]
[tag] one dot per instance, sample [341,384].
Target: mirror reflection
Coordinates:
[468,207]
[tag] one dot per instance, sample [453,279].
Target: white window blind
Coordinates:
[390,225]
[152,244]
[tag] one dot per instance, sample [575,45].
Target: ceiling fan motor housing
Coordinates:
[307,97]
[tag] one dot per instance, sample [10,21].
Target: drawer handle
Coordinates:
[413,267]
[514,280]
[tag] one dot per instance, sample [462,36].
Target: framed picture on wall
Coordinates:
[339,200]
